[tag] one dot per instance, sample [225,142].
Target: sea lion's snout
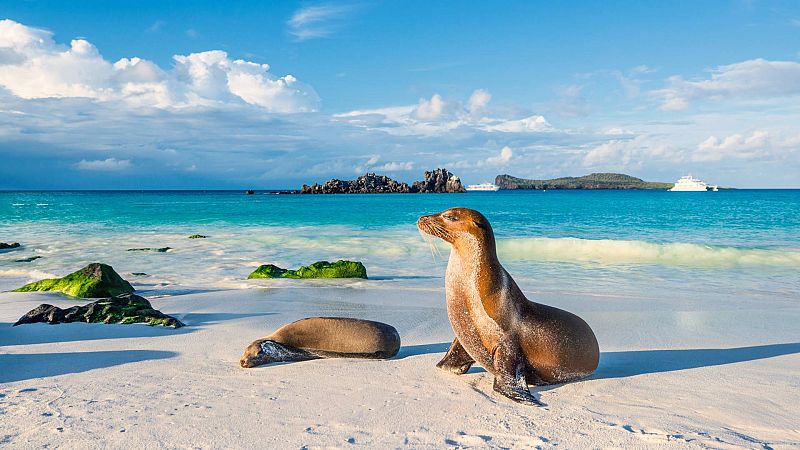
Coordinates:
[254,355]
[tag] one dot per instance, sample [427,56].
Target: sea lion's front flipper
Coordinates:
[510,368]
[456,360]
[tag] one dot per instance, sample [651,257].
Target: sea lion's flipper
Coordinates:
[456,360]
[510,368]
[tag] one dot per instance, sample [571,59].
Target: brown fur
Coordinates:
[495,325]
[324,337]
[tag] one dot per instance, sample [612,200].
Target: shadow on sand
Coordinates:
[25,367]
[640,362]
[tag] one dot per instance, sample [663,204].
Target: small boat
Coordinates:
[485,187]
[689,184]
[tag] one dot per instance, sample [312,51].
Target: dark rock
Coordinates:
[139,274]
[320,269]
[4,246]
[122,309]
[93,281]
[148,249]
[440,180]
[197,236]
[28,259]
[249,192]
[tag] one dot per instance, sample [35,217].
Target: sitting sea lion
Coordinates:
[324,337]
[518,341]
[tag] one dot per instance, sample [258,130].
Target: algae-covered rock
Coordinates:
[150,249]
[4,246]
[320,269]
[197,236]
[122,309]
[93,281]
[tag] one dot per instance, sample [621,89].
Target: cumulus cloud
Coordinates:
[430,109]
[758,144]
[437,117]
[501,159]
[478,100]
[317,21]
[104,165]
[750,80]
[35,66]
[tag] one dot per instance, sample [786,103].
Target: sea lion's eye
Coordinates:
[449,217]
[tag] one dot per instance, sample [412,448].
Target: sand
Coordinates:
[674,373]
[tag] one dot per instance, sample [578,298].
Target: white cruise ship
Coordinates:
[690,184]
[483,187]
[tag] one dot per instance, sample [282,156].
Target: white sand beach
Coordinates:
[674,373]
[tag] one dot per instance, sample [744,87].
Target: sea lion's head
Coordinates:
[456,224]
[256,354]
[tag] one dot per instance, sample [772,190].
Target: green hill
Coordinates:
[591,181]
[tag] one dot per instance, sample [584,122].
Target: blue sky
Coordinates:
[274,94]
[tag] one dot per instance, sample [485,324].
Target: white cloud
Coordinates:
[478,100]
[754,79]
[430,109]
[530,124]
[34,66]
[317,21]
[396,166]
[501,159]
[104,165]
[759,144]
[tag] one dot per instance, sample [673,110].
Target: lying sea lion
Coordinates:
[324,337]
[518,341]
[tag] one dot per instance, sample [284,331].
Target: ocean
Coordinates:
[740,245]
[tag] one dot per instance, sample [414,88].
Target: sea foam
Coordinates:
[607,251]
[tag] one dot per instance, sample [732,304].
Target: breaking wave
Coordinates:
[610,252]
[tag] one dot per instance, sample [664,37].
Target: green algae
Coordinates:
[93,281]
[320,269]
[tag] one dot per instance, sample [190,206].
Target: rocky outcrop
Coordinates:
[149,249]
[4,246]
[93,281]
[122,309]
[320,269]
[591,181]
[366,184]
[439,180]
[198,236]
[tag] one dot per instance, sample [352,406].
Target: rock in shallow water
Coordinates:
[150,249]
[93,281]
[122,309]
[4,246]
[320,269]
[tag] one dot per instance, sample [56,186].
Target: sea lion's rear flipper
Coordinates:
[510,368]
[456,360]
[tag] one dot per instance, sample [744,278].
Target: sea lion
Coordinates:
[518,341]
[324,337]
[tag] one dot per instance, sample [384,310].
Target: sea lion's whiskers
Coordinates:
[429,240]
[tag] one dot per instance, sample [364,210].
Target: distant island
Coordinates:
[437,181]
[591,181]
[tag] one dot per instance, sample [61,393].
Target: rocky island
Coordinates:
[591,181]
[439,180]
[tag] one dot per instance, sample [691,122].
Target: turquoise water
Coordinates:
[636,243]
